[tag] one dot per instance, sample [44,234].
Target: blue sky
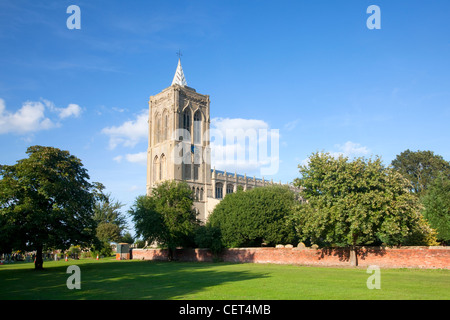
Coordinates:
[311,69]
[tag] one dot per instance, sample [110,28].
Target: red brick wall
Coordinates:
[403,257]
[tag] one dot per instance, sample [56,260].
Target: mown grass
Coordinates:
[136,280]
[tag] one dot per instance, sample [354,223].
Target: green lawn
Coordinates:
[111,279]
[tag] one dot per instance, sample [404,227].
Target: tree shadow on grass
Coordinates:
[126,280]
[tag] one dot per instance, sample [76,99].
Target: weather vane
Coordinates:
[179,54]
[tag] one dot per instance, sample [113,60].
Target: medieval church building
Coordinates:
[179,146]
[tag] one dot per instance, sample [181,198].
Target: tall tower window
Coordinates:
[158,129]
[197,127]
[196,171]
[165,126]
[155,169]
[187,171]
[162,167]
[186,118]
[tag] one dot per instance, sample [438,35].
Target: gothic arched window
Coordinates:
[229,188]
[219,190]
[165,126]
[197,127]
[158,128]
[155,169]
[162,167]
[186,118]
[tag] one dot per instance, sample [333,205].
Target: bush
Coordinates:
[74,252]
[422,235]
[167,216]
[357,202]
[249,218]
[436,204]
[104,250]
[86,254]
[209,237]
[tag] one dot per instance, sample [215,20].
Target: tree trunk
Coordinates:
[354,251]
[353,256]
[39,263]
[170,254]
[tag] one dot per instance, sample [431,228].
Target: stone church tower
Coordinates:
[178,145]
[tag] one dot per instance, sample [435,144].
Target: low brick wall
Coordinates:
[192,255]
[403,257]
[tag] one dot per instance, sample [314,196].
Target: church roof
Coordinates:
[229,174]
[179,76]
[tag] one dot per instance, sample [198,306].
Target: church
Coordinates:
[179,146]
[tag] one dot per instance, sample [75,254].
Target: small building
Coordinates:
[123,251]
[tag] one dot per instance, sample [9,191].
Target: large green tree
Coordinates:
[437,207]
[111,222]
[107,210]
[352,203]
[260,215]
[421,168]
[167,216]
[46,201]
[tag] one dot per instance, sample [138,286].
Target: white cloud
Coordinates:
[351,149]
[140,157]
[224,124]
[129,133]
[119,109]
[244,145]
[29,118]
[118,159]
[241,145]
[71,110]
